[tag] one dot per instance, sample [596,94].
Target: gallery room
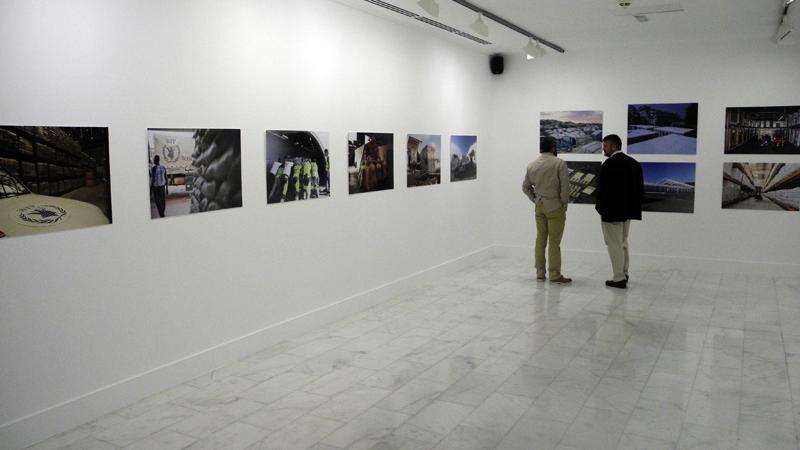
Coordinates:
[298,224]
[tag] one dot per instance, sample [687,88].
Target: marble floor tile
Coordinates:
[144,425]
[237,436]
[440,416]
[282,412]
[89,443]
[533,432]
[698,437]
[299,434]
[498,413]
[636,442]
[366,430]
[615,395]
[202,425]
[351,403]
[595,429]
[163,440]
[469,438]
[766,433]
[717,409]
[656,419]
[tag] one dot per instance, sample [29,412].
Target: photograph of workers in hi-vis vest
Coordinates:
[370,162]
[193,170]
[424,160]
[463,158]
[298,166]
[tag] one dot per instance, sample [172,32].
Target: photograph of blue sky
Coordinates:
[459,145]
[655,172]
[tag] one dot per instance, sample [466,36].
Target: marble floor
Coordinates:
[489,358]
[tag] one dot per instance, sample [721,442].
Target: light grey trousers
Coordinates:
[615,235]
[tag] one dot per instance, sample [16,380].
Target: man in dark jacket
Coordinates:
[619,200]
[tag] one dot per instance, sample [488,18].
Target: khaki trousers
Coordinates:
[549,230]
[615,235]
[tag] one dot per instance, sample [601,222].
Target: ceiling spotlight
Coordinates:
[480,27]
[430,7]
[533,51]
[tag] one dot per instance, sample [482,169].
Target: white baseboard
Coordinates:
[707,265]
[41,425]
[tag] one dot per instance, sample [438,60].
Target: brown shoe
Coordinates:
[561,280]
[541,278]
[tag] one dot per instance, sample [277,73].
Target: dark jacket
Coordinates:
[620,189]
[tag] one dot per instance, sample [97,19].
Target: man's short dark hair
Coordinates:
[614,140]
[547,145]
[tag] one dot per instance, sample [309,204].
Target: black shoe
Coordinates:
[626,277]
[617,284]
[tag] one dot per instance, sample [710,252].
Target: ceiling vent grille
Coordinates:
[428,21]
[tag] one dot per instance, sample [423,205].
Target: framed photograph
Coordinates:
[583,181]
[668,187]
[370,162]
[298,166]
[193,170]
[574,131]
[662,128]
[463,158]
[763,130]
[53,179]
[423,160]
[761,186]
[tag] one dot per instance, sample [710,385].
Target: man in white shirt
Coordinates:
[546,184]
[158,185]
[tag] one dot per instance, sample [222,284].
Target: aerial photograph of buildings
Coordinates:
[583,181]
[668,187]
[763,130]
[762,186]
[574,131]
[665,128]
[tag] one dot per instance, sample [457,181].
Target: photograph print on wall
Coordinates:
[662,128]
[370,162]
[463,158]
[193,170]
[583,177]
[298,166]
[763,130]
[53,179]
[424,160]
[574,131]
[761,186]
[668,187]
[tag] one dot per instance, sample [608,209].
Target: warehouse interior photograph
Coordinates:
[402,317]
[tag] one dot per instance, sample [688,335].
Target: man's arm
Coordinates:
[528,189]
[563,177]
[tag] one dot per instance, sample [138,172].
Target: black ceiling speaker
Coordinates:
[496,64]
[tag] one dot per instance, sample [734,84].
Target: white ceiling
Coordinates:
[592,24]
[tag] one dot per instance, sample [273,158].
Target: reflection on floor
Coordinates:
[489,358]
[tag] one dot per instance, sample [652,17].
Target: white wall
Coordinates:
[714,75]
[87,313]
